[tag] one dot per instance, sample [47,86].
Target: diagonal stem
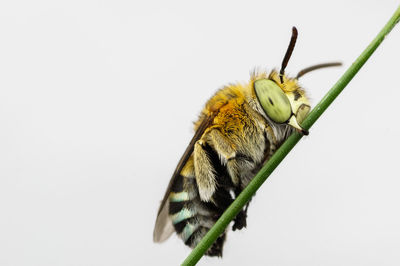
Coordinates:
[287,146]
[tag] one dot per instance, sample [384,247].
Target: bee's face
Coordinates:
[280,105]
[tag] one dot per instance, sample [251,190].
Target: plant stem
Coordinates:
[287,146]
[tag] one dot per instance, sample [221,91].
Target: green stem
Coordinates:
[287,146]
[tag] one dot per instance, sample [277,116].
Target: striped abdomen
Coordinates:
[191,217]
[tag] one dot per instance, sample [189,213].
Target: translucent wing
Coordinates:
[163,227]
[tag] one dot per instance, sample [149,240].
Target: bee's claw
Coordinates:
[304,132]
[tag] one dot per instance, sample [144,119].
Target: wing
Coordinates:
[163,227]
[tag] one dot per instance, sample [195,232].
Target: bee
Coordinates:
[238,130]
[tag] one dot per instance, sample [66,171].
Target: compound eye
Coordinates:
[273,100]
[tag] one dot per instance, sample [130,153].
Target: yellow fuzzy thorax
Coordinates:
[229,102]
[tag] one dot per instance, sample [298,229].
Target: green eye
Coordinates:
[273,100]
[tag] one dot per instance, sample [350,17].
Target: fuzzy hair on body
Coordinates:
[236,138]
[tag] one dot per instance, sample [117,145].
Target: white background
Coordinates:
[97,100]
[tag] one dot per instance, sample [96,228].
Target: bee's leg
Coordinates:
[240,220]
[204,172]
[222,199]
[226,151]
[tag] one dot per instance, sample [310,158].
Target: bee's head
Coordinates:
[282,99]
[282,106]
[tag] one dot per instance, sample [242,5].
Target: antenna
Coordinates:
[314,67]
[288,53]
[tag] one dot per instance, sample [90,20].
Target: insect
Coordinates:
[238,130]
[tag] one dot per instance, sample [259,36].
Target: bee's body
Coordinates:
[239,129]
[227,155]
